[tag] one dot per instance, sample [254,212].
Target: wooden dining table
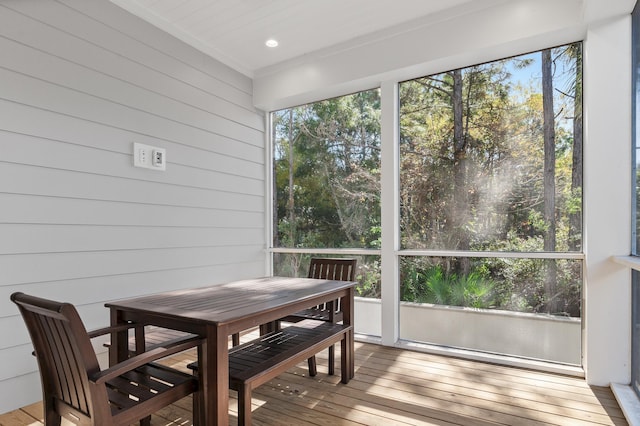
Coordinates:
[217,311]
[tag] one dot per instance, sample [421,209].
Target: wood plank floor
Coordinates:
[399,387]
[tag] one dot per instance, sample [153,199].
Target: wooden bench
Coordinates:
[258,361]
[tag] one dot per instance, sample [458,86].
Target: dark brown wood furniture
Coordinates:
[342,269]
[73,385]
[255,363]
[149,337]
[218,311]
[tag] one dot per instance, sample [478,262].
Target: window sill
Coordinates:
[628,401]
[632,262]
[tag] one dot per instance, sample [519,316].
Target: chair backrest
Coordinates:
[341,269]
[64,352]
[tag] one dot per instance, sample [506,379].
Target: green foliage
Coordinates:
[476,188]
[327,173]
[494,184]
[512,284]
[574,201]
[433,285]
[368,277]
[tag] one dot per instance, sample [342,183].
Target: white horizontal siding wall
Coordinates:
[80,81]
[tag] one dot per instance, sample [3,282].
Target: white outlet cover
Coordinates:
[143,156]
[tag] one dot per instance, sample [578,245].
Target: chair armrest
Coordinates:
[111,329]
[144,358]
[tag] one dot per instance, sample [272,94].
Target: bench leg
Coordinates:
[197,408]
[244,405]
[332,360]
[198,396]
[313,370]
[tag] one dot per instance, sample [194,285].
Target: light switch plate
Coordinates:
[149,157]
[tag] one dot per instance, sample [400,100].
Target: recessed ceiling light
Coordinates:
[271,43]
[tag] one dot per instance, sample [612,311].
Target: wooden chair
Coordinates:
[341,269]
[73,385]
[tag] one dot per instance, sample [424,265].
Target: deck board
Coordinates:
[400,387]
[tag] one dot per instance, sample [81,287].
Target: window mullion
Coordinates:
[390,215]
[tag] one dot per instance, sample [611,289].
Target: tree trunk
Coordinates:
[575,218]
[549,180]
[460,201]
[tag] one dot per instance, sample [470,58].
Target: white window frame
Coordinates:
[390,252]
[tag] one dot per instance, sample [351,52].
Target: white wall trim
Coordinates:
[492,358]
[607,201]
[390,214]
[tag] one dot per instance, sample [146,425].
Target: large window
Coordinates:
[326,159]
[491,163]
[489,178]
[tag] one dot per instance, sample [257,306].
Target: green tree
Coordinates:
[489,162]
[549,175]
[326,167]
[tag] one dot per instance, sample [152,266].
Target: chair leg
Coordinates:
[332,360]
[313,370]
[52,418]
[146,421]
[235,339]
[269,327]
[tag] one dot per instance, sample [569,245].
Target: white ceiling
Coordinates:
[234,31]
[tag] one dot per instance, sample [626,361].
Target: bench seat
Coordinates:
[258,361]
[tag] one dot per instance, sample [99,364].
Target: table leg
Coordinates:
[214,370]
[351,354]
[118,348]
[344,361]
[348,304]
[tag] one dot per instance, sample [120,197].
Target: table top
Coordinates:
[228,302]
